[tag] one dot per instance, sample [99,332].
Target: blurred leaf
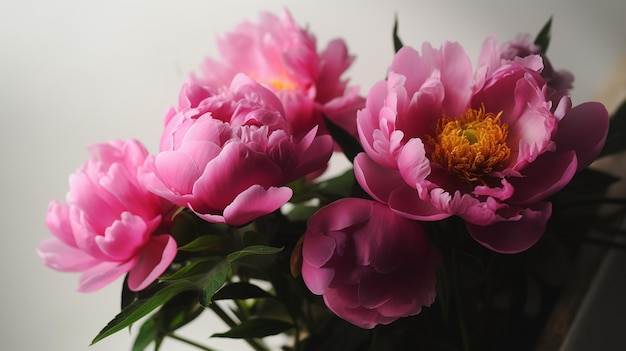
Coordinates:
[147,334]
[591,181]
[192,271]
[616,139]
[253,250]
[443,292]
[339,186]
[142,307]
[348,144]
[301,212]
[203,243]
[256,328]
[397,43]
[128,296]
[177,312]
[543,38]
[217,277]
[240,291]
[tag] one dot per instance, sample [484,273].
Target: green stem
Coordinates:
[459,309]
[257,346]
[189,342]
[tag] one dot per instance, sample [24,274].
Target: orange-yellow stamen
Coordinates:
[280,83]
[471,146]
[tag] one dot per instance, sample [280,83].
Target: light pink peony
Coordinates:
[111,223]
[371,265]
[228,155]
[490,148]
[283,57]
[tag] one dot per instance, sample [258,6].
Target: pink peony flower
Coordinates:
[228,155]
[371,265]
[283,57]
[490,149]
[111,223]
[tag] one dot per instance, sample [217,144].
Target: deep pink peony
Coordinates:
[228,155]
[111,223]
[283,57]
[371,265]
[490,148]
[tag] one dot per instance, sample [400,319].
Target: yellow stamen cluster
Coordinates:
[471,146]
[280,83]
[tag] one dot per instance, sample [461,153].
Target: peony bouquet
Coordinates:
[467,198]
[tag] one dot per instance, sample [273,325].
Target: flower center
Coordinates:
[471,146]
[280,82]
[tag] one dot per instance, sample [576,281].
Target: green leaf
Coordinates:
[128,296]
[397,43]
[301,212]
[142,307]
[217,277]
[253,250]
[256,328]
[192,271]
[616,139]
[203,243]
[147,334]
[348,144]
[240,291]
[543,38]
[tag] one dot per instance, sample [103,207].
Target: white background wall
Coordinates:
[75,72]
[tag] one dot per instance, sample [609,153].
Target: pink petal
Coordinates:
[236,169]
[255,202]
[57,255]
[58,222]
[330,218]
[412,162]
[317,279]
[514,236]
[123,237]
[406,202]
[542,178]
[177,171]
[583,129]
[103,274]
[378,181]
[154,259]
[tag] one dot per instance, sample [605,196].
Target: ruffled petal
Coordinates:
[514,236]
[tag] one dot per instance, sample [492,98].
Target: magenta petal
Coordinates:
[378,181]
[514,236]
[542,178]
[406,202]
[154,259]
[57,255]
[583,129]
[317,279]
[331,218]
[255,202]
[317,249]
[373,291]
